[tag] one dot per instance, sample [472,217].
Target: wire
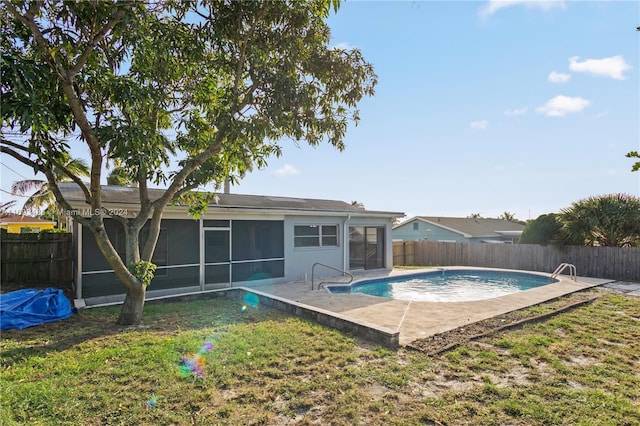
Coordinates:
[15,195]
[22,176]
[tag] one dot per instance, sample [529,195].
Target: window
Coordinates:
[315,236]
[416,226]
[330,235]
[257,239]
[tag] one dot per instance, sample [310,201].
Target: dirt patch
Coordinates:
[450,339]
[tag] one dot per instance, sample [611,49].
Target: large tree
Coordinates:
[181,93]
[605,220]
[542,230]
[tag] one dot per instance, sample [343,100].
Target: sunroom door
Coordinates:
[217,259]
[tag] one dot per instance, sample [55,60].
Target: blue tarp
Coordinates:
[26,308]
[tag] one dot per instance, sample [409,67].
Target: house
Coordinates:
[241,240]
[20,224]
[458,229]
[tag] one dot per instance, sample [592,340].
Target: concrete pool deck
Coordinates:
[416,320]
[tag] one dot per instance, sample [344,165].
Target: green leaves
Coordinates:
[541,230]
[197,202]
[164,80]
[143,271]
[606,220]
[176,92]
[636,165]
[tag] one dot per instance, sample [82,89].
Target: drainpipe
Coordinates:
[345,242]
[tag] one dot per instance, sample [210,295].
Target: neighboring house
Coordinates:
[241,240]
[18,224]
[458,229]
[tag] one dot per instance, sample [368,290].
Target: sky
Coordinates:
[481,107]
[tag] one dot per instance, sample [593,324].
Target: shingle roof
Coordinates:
[474,227]
[125,195]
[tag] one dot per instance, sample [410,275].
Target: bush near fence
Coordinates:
[36,260]
[617,263]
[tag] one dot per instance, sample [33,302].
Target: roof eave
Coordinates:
[84,210]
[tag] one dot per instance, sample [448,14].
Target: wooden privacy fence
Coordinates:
[619,263]
[36,259]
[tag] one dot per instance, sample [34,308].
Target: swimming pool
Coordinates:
[455,285]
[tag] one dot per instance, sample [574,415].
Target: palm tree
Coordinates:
[119,177]
[43,197]
[508,216]
[606,220]
[4,207]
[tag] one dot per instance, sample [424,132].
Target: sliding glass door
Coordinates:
[366,247]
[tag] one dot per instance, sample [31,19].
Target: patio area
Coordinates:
[411,319]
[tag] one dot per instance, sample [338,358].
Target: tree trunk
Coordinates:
[132,245]
[131,313]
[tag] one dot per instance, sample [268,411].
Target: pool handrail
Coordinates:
[572,271]
[330,267]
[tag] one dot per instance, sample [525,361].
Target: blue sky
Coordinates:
[481,107]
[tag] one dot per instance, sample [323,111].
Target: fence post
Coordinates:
[404,253]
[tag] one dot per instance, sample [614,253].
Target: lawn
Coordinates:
[260,366]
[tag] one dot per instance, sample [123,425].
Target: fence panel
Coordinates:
[36,259]
[620,263]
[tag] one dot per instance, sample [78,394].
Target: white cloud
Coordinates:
[480,124]
[495,5]
[613,66]
[286,170]
[517,111]
[558,77]
[563,105]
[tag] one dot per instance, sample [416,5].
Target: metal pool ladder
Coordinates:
[313,269]
[562,267]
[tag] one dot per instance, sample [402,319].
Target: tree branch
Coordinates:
[113,20]
[14,145]
[243,47]
[53,187]
[21,158]
[184,190]
[68,173]
[28,20]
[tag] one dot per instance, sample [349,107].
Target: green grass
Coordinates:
[579,367]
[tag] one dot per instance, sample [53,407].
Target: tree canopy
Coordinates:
[605,220]
[180,93]
[542,230]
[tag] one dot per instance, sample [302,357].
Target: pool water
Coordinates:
[447,285]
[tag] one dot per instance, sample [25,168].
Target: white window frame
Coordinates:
[319,238]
